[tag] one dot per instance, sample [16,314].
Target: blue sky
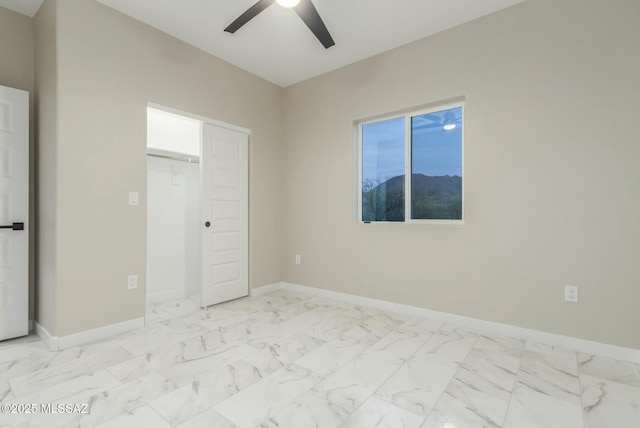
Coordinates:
[434,151]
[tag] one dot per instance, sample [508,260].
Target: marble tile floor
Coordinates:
[291,360]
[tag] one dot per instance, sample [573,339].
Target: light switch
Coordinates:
[133,198]
[132,282]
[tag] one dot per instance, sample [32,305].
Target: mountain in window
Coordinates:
[432,197]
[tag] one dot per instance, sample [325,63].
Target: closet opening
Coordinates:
[173,208]
[197,212]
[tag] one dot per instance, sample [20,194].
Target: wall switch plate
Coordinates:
[133,198]
[571,293]
[298,259]
[132,282]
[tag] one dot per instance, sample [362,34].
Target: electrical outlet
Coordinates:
[571,293]
[132,282]
[298,259]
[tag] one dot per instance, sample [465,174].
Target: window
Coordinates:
[411,167]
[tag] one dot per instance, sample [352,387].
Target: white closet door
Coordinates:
[14,213]
[225,215]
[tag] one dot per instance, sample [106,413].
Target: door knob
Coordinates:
[207,224]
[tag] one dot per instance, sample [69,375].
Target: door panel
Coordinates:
[14,208]
[224,163]
[225,241]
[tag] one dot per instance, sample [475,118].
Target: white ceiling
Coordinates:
[277,45]
[25,7]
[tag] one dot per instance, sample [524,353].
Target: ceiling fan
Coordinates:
[305,10]
[446,120]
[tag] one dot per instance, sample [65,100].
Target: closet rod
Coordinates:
[182,159]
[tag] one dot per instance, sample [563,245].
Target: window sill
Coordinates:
[455,223]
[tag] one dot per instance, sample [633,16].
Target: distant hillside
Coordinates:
[433,197]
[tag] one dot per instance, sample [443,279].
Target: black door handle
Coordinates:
[14,226]
[207,224]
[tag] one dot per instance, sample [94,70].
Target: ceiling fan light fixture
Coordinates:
[449,122]
[288,3]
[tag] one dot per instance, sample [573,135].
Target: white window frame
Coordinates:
[407,115]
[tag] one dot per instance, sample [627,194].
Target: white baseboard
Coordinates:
[178,293]
[56,343]
[490,327]
[50,341]
[259,291]
[581,345]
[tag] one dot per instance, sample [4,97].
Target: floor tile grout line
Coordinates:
[457,368]
[582,407]
[159,415]
[373,394]
[515,384]
[424,417]
[297,396]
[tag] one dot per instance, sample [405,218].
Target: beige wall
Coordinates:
[17,71]
[552,151]
[108,67]
[16,50]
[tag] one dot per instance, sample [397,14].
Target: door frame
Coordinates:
[218,123]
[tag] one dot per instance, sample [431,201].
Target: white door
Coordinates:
[225,215]
[14,213]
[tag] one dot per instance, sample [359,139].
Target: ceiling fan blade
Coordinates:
[308,13]
[427,126]
[248,15]
[432,117]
